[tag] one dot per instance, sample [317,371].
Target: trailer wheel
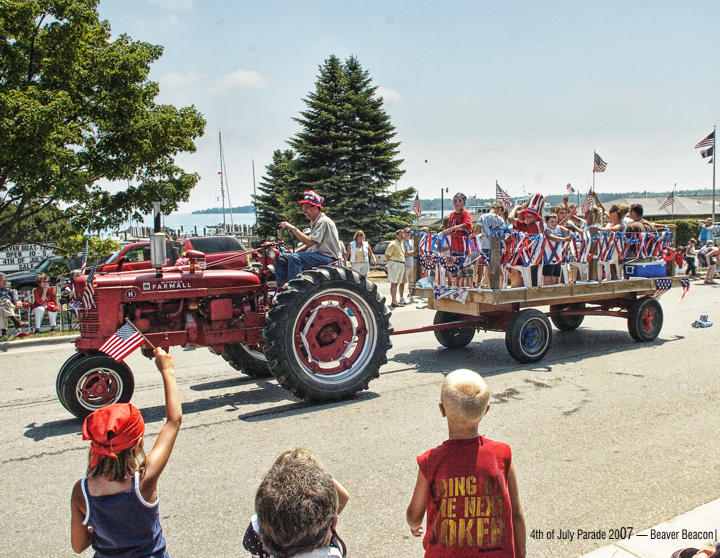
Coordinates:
[327,334]
[454,338]
[567,323]
[528,335]
[248,359]
[61,374]
[89,383]
[646,319]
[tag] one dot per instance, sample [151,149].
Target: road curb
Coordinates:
[21,343]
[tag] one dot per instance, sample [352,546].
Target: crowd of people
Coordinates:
[297,504]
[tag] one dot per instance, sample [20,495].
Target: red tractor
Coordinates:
[323,336]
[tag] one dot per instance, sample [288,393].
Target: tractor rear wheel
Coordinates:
[327,334]
[88,383]
[248,359]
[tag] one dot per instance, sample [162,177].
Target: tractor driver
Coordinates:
[323,244]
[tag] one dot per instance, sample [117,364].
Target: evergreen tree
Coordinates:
[345,152]
[276,193]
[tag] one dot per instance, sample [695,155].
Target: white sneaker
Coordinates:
[403,301]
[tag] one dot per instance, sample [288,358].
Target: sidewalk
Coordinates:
[6,346]
[691,529]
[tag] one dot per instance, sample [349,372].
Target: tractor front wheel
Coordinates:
[248,359]
[87,383]
[327,334]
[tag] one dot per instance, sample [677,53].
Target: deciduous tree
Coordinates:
[81,137]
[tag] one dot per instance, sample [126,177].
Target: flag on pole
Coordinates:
[416,207]
[88,296]
[706,142]
[707,152]
[86,252]
[570,189]
[668,201]
[502,196]
[598,164]
[587,204]
[123,342]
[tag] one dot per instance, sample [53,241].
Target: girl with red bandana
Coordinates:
[115,507]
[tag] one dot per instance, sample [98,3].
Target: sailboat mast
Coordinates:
[222,185]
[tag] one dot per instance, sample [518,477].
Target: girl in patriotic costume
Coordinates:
[115,507]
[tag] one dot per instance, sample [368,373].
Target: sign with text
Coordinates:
[23,257]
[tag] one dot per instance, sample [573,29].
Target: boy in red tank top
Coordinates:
[467,485]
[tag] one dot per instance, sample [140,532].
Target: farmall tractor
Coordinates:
[323,336]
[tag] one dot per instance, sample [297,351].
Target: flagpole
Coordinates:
[593,186]
[714,158]
[140,332]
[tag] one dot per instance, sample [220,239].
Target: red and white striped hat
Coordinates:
[535,206]
[311,197]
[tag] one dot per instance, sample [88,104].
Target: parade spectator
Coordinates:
[616,215]
[458,228]
[703,252]
[409,276]
[712,260]
[44,299]
[528,222]
[359,253]
[710,550]
[297,511]
[251,540]
[690,251]
[467,464]
[115,507]
[708,231]
[323,244]
[395,257]
[557,233]
[8,304]
[492,222]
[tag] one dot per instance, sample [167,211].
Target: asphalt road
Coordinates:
[605,433]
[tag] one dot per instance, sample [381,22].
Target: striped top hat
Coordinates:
[535,206]
[311,197]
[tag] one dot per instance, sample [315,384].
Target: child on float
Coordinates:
[530,223]
[492,222]
[115,507]
[467,471]
[557,233]
[286,520]
[459,227]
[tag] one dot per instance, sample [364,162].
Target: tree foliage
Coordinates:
[78,122]
[274,188]
[344,151]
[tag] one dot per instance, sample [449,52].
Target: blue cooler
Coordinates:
[649,269]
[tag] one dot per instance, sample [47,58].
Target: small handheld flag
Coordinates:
[587,204]
[503,197]
[123,342]
[88,296]
[570,188]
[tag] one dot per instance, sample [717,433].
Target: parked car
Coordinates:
[26,280]
[221,252]
[379,251]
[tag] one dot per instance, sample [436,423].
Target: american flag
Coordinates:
[662,286]
[707,142]
[570,189]
[84,259]
[587,204]
[598,164]
[88,296]
[685,284]
[668,201]
[417,209]
[502,196]
[707,152]
[123,342]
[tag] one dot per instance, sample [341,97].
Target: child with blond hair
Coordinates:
[467,485]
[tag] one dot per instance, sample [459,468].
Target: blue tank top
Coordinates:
[125,524]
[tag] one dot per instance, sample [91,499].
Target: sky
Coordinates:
[522,92]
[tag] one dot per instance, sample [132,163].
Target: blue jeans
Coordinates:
[289,265]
